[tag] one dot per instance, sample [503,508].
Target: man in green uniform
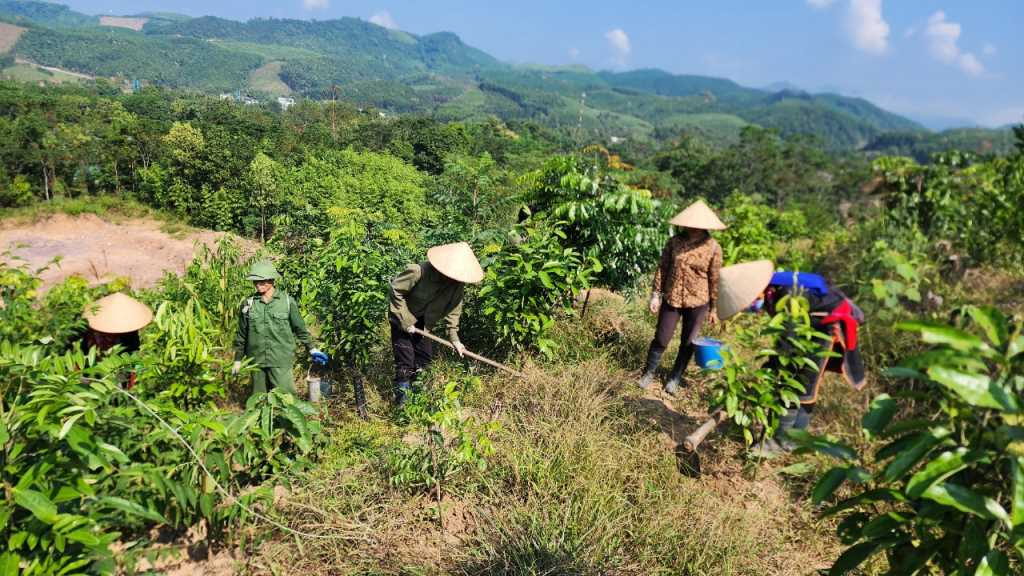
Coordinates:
[269,323]
[421,296]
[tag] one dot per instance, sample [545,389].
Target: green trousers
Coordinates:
[273,376]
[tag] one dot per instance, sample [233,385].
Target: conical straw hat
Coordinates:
[698,215]
[739,285]
[117,314]
[457,262]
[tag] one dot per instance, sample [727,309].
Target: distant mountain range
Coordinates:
[436,74]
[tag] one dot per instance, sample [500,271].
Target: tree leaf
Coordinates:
[854,556]
[940,468]
[807,441]
[991,321]
[828,484]
[975,389]
[932,333]
[995,563]
[1017,500]
[880,413]
[132,508]
[37,503]
[966,500]
[912,454]
[9,564]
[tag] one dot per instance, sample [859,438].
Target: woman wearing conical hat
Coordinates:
[421,295]
[685,289]
[115,320]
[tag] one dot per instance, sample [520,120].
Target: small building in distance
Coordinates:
[285,102]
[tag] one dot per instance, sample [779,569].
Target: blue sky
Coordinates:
[924,58]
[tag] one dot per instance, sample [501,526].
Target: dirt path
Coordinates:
[78,75]
[100,250]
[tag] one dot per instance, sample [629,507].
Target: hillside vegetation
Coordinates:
[568,468]
[439,74]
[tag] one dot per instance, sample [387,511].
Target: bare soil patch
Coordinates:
[9,34]
[99,250]
[123,22]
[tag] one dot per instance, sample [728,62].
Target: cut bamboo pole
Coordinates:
[691,442]
[469,354]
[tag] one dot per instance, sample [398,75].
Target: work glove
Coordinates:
[318,357]
[411,329]
[236,368]
[655,302]
[460,348]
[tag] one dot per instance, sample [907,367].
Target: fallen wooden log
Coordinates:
[691,442]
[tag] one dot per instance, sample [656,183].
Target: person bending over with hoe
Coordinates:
[832,314]
[269,323]
[685,288]
[115,320]
[421,295]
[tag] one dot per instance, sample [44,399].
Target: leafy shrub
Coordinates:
[452,442]
[622,227]
[527,282]
[946,492]
[755,398]
[180,356]
[86,465]
[757,231]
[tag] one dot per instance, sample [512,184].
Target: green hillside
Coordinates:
[435,74]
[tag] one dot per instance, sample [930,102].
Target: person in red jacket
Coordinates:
[832,313]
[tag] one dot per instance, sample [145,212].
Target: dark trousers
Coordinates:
[668,318]
[413,352]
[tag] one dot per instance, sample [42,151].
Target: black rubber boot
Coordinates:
[787,422]
[653,359]
[675,377]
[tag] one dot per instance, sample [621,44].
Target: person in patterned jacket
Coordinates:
[685,289]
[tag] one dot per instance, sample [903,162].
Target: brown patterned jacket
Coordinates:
[687,275]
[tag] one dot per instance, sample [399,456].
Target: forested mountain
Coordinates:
[436,74]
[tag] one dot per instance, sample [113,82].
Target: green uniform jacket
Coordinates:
[422,293]
[267,331]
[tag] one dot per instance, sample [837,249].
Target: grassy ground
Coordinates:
[9,35]
[267,79]
[585,479]
[108,206]
[30,73]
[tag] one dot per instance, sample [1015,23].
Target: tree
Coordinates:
[263,178]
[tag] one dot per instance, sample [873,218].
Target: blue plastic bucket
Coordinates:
[709,353]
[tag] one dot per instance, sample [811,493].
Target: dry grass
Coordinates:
[585,480]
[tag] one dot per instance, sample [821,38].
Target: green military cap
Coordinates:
[263,271]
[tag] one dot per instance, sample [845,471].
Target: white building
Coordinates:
[285,102]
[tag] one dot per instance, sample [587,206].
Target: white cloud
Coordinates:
[618,40]
[819,4]
[989,49]
[867,27]
[574,53]
[383,18]
[315,4]
[942,43]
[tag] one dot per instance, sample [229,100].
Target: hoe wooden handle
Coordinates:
[472,355]
[691,442]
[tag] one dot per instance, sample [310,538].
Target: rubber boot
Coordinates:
[787,422]
[653,359]
[402,391]
[675,377]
